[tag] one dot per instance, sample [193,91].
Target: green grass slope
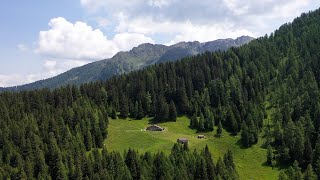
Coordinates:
[250,162]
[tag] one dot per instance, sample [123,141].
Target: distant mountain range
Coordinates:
[135,59]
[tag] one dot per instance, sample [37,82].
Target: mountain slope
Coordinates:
[137,58]
[265,95]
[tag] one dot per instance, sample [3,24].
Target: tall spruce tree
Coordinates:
[219,129]
[172,111]
[201,123]
[124,107]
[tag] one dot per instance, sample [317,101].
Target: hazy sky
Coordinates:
[40,39]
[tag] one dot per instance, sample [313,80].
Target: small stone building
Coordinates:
[182,140]
[154,128]
[200,136]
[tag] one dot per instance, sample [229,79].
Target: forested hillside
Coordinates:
[125,62]
[59,135]
[56,133]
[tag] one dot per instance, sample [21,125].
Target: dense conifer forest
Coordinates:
[59,134]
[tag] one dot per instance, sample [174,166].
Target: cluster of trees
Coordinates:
[295,96]
[294,172]
[164,111]
[293,135]
[180,164]
[249,133]
[46,134]
[204,123]
[224,87]
[59,135]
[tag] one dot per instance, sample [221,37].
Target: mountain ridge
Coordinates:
[126,61]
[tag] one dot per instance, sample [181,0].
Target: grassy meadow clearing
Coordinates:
[250,162]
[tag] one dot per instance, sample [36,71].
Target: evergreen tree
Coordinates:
[228,160]
[186,146]
[209,120]
[268,136]
[124,107]
[308,153]
[219,130]
[133,164]
[201,123]
[209,162]
[299,143]
[201,169]
[278,133]
[283,176]
[135,110]
[317,167]
[309,173]
[269,155]
[57,168]
[172,111]
[183,99]
[245,139]
[253,131]
[194,122]
[297,171]
[221,169]
[140,113]
[113,113]
[88,140]
[231,121]
[316,151]
[163,110]
[162,167]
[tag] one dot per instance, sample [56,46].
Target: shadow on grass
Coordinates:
[283,165]
[153,121]
[265,164]
[277,164]
[241,146]
[218,135]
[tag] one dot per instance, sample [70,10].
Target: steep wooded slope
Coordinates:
[137,58]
